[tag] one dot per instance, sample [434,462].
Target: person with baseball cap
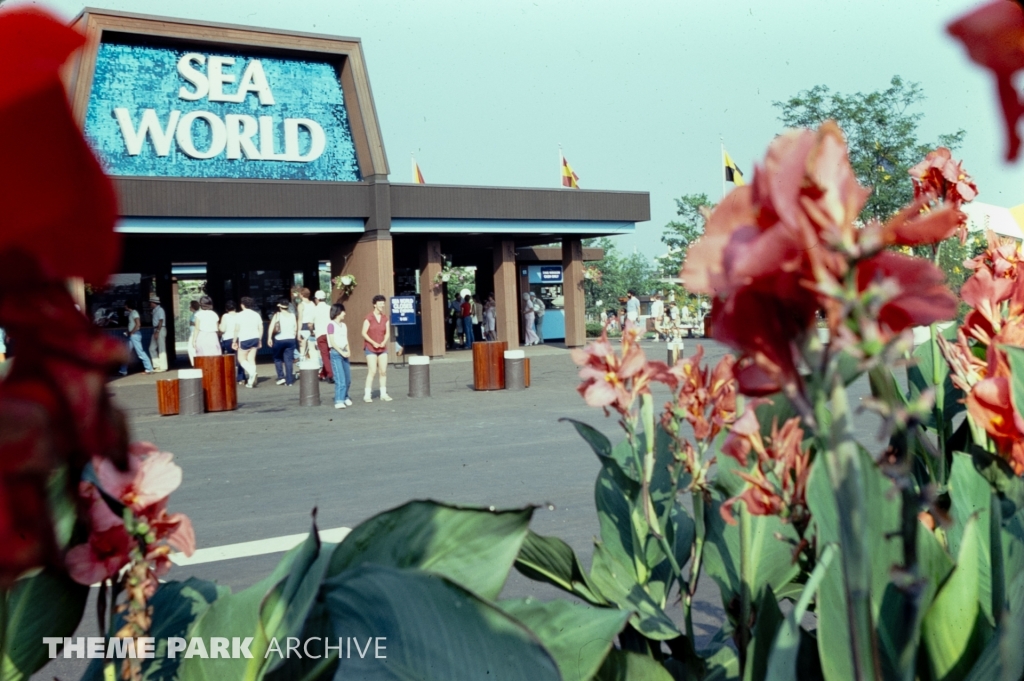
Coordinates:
[321,320]
[158,342]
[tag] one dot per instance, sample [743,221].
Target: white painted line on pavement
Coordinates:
[259,547]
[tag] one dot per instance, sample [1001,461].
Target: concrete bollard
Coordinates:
[190,392]
[515,374]
[309,383]
[675,352]
[419,376]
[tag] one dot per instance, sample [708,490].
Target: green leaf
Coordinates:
[954,632]
[551,560]
[723,666]
[769,621]
[620,455]
[970,497]
[782,663]
[625,666]
[472,546]
[433,630]
[1016,357]
[920,378]
[771,560]
[277,607]
[881,523]
[614,576]
[176,605]
[48,603]
[577,636]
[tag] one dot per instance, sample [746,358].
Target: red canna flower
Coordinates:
[144,490]
[777,484]
[779,250]
[994,37]
[57,221]
[611,380]
[941,177]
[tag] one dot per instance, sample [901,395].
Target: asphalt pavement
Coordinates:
[258,472]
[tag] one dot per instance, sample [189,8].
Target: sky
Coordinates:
[639,95]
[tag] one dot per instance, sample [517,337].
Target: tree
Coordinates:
[881,131]
[680,234]
[617,274]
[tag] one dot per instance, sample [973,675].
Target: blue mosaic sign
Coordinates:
[158,111]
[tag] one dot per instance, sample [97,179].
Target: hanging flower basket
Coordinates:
[346,283]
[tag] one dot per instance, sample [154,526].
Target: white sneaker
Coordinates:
[280,381]
[385,397]
[348,403]
[339,405]
[367,398]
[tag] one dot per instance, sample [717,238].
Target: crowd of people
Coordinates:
[300,328]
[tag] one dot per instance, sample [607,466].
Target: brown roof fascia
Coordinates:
[541,254]
[512,203]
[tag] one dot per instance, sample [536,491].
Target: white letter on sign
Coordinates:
[254,80]
[194,76]
[241,129]
[218,79]
[317,140]
[149,125]
[218,135]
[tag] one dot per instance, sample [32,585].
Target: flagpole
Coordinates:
[721,168]
[561,165]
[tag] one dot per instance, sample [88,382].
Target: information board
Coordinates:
[403,311]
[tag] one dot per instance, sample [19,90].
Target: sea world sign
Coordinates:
[165,112]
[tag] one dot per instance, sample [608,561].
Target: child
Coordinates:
[337,340]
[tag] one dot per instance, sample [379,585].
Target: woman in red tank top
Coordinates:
[376,331]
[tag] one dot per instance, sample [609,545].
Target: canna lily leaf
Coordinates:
[551,560]
[577,636]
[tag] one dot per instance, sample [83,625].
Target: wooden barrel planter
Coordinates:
[167,396]
[489,365]
[219,384]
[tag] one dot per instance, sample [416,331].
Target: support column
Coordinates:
[505,292]
[371,262]
[572,289]
[431,300]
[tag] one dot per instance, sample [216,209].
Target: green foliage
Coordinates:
[680,234]
[881,130]
[45,604]
[619,274]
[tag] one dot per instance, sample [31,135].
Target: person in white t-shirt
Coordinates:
[284,333]
[228,324]
[134,336]
[657,312]
[158,343]
[321,318]
[248,339]
[305,310]
[337,338]
[205,332]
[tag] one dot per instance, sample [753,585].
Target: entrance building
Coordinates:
[252,158]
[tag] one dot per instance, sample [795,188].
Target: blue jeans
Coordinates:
[135,343]
[467,327]
[284,353]
[342,370]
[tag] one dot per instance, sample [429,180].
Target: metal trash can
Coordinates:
[309,383]
[190,392]
[515,370]
[419,376]
[675,352]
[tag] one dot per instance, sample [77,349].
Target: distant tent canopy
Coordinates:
[1002,221]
